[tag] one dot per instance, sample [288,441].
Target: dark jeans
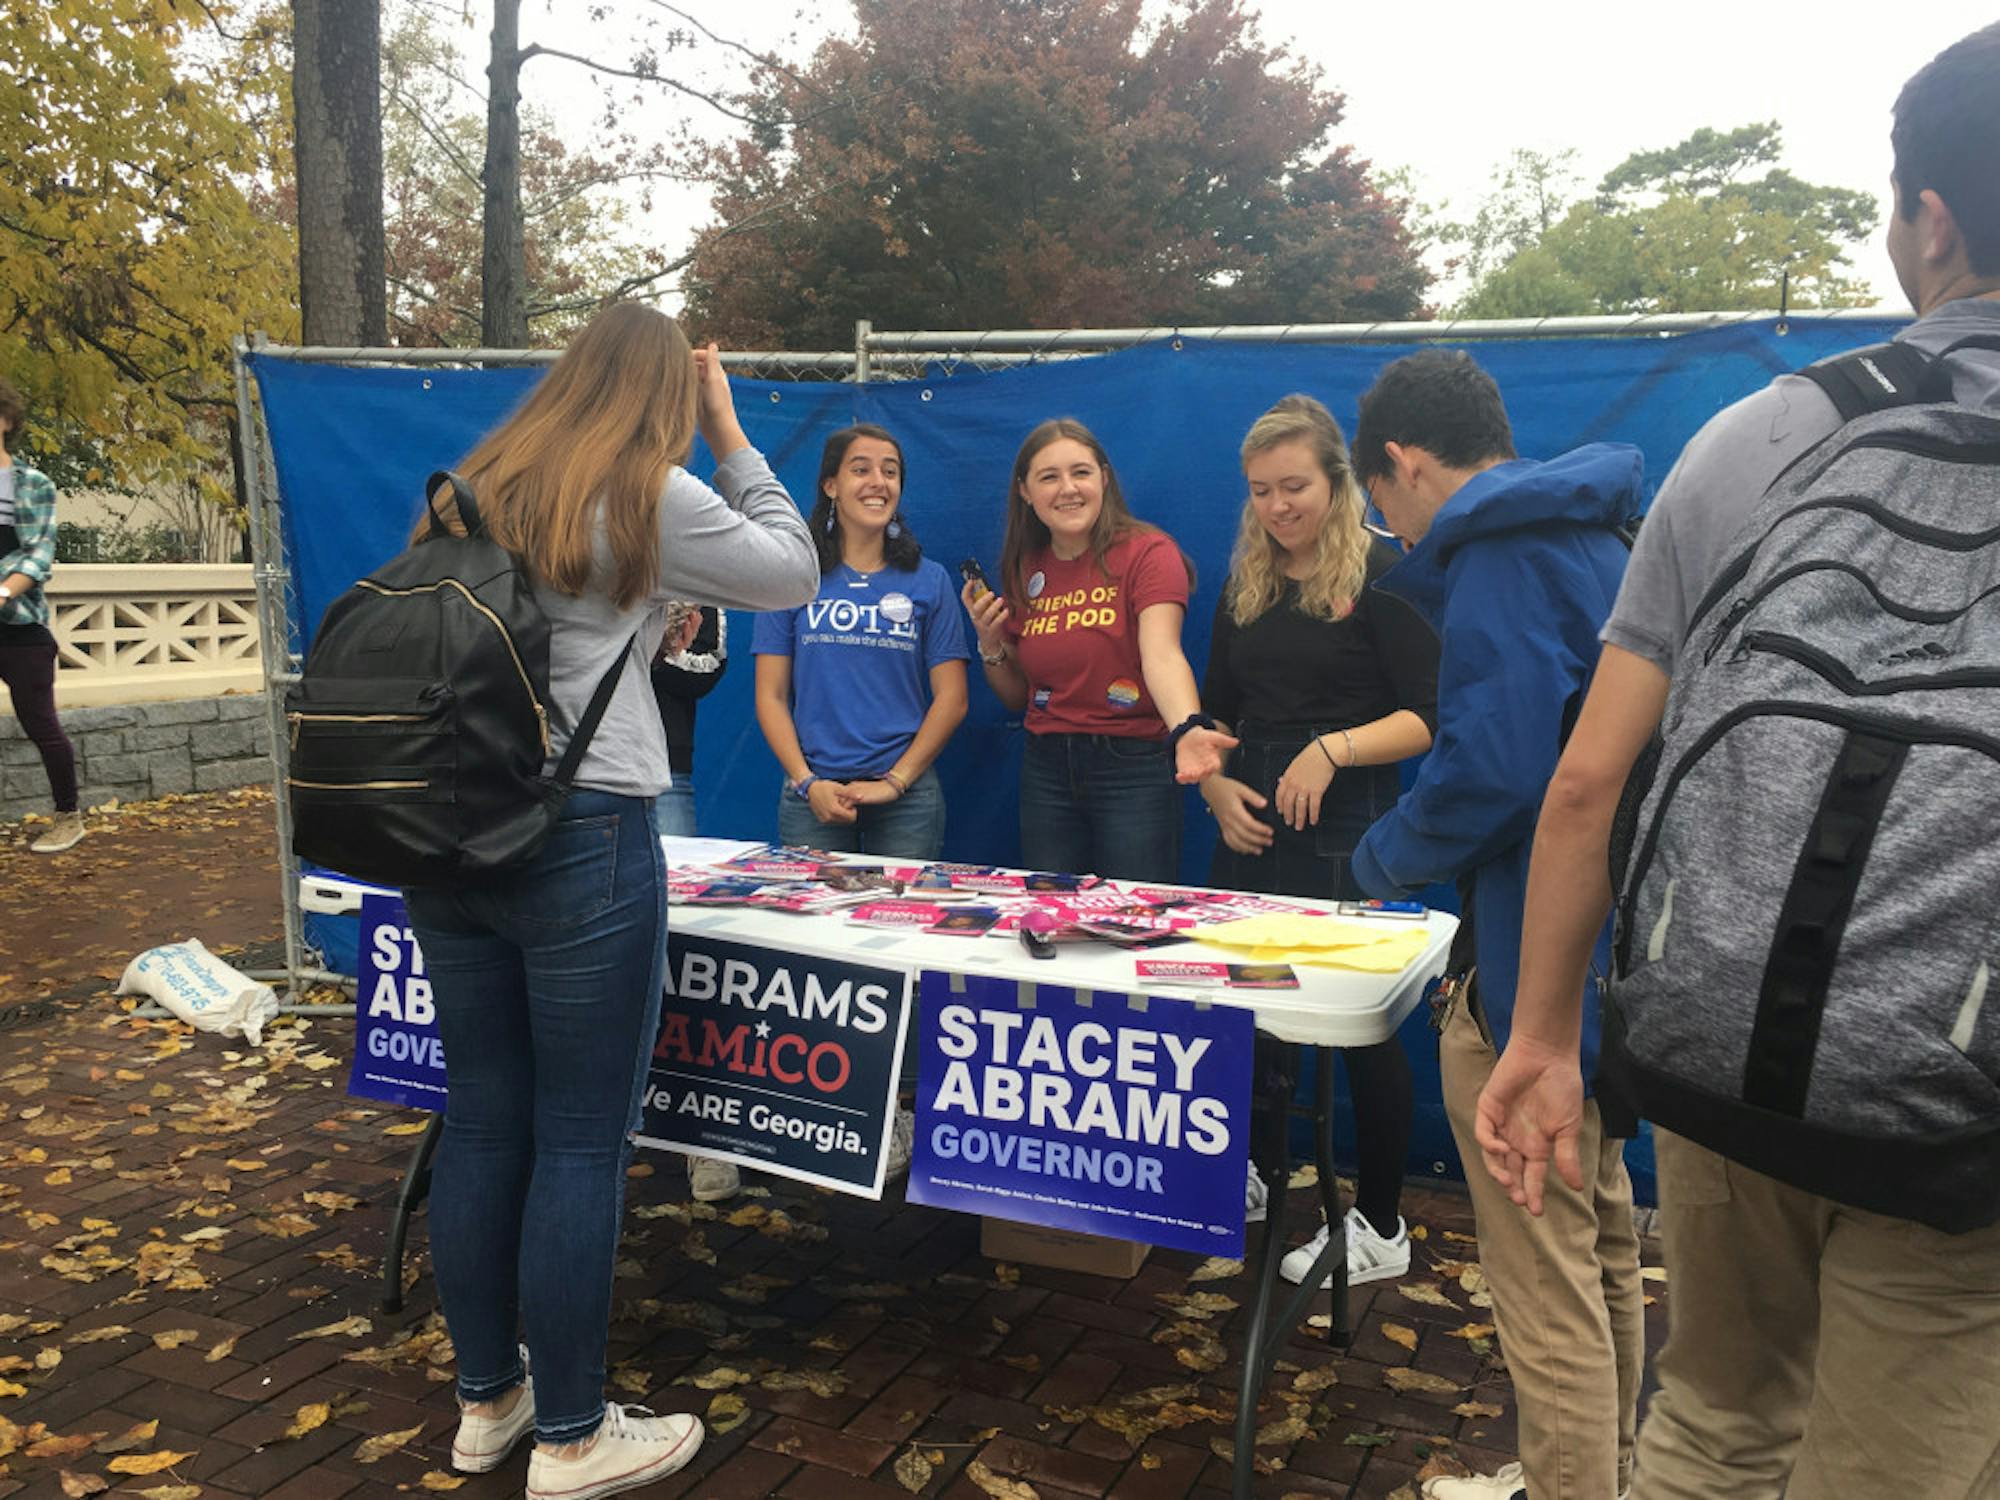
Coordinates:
[1314,862]
[911,827]
[547,986]
[28,667]
[674,812]
[1100,804]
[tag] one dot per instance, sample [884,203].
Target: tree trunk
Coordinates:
[337,118]
[503,317]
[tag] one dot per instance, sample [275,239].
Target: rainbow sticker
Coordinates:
[1123,692]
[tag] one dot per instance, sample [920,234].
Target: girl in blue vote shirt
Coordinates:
[859,690]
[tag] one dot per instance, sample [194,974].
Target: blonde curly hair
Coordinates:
[1340,559]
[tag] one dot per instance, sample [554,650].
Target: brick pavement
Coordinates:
[182,1221]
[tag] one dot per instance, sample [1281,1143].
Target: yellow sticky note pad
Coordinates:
[1288,937]
[1301,930]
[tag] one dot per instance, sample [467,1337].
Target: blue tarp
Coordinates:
[353,445]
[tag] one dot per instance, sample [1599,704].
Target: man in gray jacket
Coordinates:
[1815,1350]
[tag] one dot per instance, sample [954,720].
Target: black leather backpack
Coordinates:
[418,730]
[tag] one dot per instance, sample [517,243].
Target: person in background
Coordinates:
[1084,634]
[27,650]
[691,663]
[859,690]
[694,653]
[547,980]
[1328,685]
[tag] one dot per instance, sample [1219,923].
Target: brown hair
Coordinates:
[1025,533]
[13,412]
[598,434]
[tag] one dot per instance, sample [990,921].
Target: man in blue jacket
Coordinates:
[1516,563]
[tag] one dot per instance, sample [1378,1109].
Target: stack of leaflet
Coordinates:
[1371,946]
[959,899]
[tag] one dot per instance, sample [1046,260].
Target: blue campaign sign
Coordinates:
[398,1056]
[1105,1114]
[784,1062]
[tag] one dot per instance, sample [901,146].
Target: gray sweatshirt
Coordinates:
[744,548]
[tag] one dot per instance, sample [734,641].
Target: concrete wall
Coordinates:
[140,750]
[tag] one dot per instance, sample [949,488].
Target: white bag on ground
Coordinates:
[200,988]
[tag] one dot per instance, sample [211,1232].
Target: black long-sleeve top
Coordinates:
[1287,668]
[683,679]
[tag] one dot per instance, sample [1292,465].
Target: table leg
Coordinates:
[416,1187]
[1340,1332]
[1266,1334]
[1259,1348]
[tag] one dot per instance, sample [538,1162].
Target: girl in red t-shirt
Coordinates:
[1085,637]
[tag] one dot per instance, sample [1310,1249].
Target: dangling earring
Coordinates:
[895,530]
[829,523]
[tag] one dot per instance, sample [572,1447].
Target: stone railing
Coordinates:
[153,632]
[134,751]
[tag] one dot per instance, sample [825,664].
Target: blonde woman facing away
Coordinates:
[1327,685]
[547,981]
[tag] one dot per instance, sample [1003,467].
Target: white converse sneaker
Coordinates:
[1509,1484]
[482,1443]
[713,1180]
[1369,1256]
[632,1448]
[1256,1198]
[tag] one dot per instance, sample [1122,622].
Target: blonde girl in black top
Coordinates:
[1328,685]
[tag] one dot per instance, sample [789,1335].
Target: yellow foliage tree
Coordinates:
[138,233]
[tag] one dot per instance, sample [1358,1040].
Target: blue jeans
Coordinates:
[911,827]
[674,812]
[1100,804]
[547,986]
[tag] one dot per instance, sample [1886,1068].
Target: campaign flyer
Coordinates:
[716,892]
[1086,1112]
[965,921]
[780,864]
[907,914]
[1202,974]
[783,1062]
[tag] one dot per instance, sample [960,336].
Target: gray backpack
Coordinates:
[1809,914]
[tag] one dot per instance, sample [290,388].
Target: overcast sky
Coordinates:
[1448,89]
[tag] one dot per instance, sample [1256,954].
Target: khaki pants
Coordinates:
[1816,1351]
[1566,1295]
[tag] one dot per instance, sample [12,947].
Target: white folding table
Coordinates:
[1331,1009]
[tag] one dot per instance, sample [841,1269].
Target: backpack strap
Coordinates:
[1878,378]
[600,700]
[462,497]
[1987,341]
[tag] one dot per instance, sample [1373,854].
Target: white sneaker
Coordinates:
[1509,1484]
[633,1447]
[482,1443]
[902,1137]
[713,1180]
[1256,1198]
[1369,1256]
[64,833]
